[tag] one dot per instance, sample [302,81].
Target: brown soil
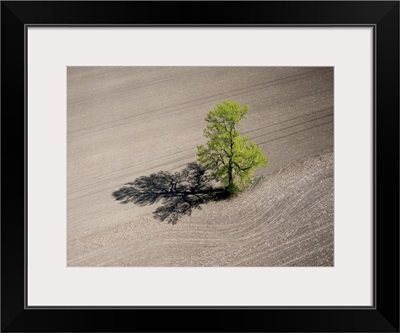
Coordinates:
[128,122]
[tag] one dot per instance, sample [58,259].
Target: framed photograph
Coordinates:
[230,161]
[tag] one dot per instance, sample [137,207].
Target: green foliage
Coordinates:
[233,188]
[230,156]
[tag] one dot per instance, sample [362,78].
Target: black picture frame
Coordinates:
[383,316]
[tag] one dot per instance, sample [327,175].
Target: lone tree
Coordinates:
[230,156]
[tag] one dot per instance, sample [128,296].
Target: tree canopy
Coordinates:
[231,157]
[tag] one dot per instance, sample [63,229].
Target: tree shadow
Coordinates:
[179,192]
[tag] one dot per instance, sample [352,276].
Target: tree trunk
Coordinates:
[230,178]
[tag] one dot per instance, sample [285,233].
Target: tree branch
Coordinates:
[246,168]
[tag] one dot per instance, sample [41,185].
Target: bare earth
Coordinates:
[128,122]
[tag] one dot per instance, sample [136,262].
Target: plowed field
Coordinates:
[129,122]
